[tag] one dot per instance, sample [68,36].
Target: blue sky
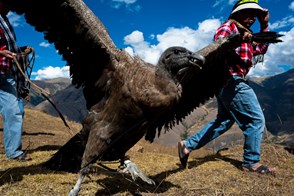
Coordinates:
[147,27]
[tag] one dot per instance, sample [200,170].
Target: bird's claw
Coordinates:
[135,172]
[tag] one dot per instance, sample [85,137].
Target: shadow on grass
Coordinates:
[118,183]
[114,182]
[16,174]
[37,133]
[215,157]
[44,148]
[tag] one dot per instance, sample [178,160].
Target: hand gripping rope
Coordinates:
[29,64]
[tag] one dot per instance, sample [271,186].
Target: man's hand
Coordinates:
[7,54]
[28,49]
[247,36]
[263,18]
[27,98]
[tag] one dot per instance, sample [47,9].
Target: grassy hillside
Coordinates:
[208,173]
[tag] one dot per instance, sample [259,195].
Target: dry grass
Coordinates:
[208,174]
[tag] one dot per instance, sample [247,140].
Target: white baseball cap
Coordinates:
[246,4]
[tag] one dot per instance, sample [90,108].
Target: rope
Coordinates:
[243,29]
[240,26]
[43,92]
[29,63]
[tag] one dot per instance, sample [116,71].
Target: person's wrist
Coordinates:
[263,26]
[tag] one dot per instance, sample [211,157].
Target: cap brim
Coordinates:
[247,6]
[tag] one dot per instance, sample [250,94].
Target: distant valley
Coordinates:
[275,93]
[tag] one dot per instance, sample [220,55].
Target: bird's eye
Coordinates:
[177,51]
[167,56]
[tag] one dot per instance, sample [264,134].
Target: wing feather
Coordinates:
[202,86]
[84,43]
[77,33]
[207,83]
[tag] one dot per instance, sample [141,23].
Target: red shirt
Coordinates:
[246,51]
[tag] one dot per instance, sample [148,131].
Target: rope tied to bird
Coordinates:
[29,57]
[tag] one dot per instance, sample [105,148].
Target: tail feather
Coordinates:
[267,37]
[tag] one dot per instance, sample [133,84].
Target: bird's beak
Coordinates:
[197,60]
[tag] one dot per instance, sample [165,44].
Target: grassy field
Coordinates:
[207,173]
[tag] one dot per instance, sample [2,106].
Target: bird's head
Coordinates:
[180,62]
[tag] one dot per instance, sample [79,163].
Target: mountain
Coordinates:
[275,94]
[51,86]
[70,101]
[194,122]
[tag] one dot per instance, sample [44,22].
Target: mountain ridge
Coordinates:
[275,94]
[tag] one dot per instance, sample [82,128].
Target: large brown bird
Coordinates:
[127,98]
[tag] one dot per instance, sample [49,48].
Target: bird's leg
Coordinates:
[129,166]
[76,188]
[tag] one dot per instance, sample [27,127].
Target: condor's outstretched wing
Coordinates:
[78,35]
[206,84]
[214,75]
[200,86]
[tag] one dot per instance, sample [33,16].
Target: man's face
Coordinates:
[247,17]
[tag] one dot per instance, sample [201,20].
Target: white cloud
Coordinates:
[278,55]
[186,37]
[51,72]
[44,44]
[128,4]
[136,37]
[291,6]
[125,1]
[14,19]
[285,22]
[220,5]
[217,3]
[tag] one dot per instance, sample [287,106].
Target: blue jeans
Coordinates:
[12,110]
[238,103]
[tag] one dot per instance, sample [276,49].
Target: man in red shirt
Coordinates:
[12,89]
[237,101]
